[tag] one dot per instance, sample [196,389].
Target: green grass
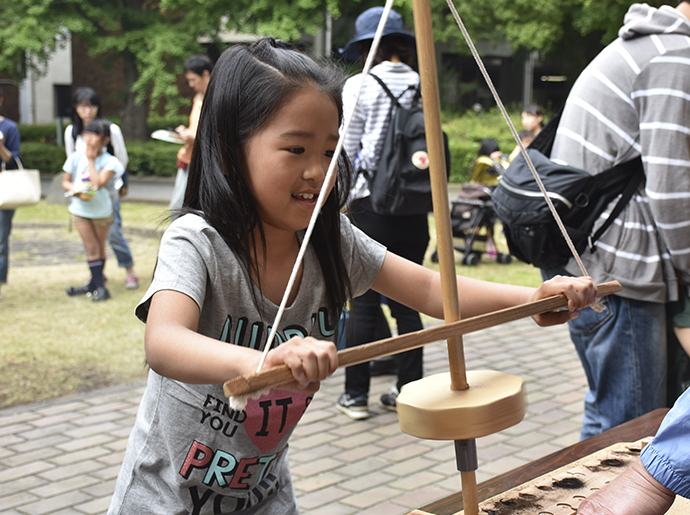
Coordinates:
[54,345]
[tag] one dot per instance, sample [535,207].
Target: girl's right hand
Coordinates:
[310,360]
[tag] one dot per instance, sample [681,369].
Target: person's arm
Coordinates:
[5,154]
[67,181]
[649,486]
[119,148]
[635,492]
[353,137]
[188,134]
[174,349]
[421,290]
[659,94]
[9,146]
[69,140]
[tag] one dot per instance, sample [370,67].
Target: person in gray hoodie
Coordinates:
[633,99]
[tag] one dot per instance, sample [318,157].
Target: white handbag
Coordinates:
[19,188]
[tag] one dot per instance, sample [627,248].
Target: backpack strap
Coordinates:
[394,99]
[636,179]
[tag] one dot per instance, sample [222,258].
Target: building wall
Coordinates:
[103,74]
[37,94]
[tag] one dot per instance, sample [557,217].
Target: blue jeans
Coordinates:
[623,352]
[117,240]
[5,229]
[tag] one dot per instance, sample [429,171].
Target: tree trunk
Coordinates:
[134,126]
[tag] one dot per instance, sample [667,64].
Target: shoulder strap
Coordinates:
[635,180]
[396,100]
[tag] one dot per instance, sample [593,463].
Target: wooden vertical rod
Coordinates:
[426,56]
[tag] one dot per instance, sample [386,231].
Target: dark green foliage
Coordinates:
[465,134]
[145,158]
[38,133]
[167,122]
[152,158]
[44,157]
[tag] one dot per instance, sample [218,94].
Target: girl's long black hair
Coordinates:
[84,94]
[249,84]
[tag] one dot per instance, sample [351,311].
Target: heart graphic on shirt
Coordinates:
[272,416]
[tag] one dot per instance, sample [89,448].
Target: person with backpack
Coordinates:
[406,235]
[632,101]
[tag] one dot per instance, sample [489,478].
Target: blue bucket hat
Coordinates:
[365,28]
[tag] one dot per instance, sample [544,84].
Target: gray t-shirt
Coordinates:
[189,452]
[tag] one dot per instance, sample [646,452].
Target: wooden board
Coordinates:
[560,492]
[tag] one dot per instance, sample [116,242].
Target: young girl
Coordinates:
[86,107]
[267,133]
[87,178]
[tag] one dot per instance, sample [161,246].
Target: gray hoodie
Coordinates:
[632,99]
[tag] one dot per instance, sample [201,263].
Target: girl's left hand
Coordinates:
[310,360]
[580,291]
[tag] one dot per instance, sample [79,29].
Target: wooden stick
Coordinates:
[426,57]
[276,376]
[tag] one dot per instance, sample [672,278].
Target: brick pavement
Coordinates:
[62,457]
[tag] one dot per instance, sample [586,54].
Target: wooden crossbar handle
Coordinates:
[276,376]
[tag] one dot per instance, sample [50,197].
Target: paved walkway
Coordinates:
[62,457]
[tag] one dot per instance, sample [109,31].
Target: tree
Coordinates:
[539,24]
[152,37]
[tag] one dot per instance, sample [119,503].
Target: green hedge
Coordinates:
[38,133]
[465,134]
[152,158]
[44,157]
[145,158]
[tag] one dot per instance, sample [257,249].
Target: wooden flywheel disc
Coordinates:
[429,409]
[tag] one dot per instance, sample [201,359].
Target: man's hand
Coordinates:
[635,492]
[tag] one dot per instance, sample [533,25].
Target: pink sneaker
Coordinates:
[132,282]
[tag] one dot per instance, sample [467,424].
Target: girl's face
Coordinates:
[95,140]
[288,158]
[86,111]
[531,121]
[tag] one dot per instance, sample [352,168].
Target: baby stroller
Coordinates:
[472,214]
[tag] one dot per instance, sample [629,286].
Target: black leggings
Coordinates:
[406,236]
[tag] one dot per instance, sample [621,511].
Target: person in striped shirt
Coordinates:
[633,99]
[408,235]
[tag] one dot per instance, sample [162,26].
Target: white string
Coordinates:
[324,189]
[489,82]
[597,306]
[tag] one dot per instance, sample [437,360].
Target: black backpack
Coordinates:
[579,198]
[400,185]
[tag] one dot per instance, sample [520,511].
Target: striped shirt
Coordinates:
[364,139]
[634,99]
